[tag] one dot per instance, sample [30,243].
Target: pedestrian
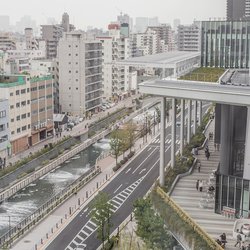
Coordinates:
[197,184]
[200,185]
[238,239]
[223,239]
[196,151]
[215,147]
[199,166]
[207,155]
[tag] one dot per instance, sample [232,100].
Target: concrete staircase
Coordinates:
[186,195]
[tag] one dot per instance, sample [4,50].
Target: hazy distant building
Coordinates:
[7,41]
[153,21]
[176,23]
[51,34]
[67,27]
[238,9]
[25,22]
[80,73]
[188,38]
[141,24]
[5,23]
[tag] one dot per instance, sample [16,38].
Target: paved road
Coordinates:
[132,182]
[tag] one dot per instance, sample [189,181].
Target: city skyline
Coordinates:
[90,15]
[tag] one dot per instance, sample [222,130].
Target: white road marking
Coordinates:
[144,161]
[142,170]
[91,222]
[117,188]
[127,170]
[85,210]
[149,149]
[89,228]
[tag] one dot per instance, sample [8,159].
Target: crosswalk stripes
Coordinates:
[91,227]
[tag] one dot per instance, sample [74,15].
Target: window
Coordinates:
[18,104]
[69,54]
[18,118]
[24,128]
[76,88]
[41,110]
[12,120]
[23,91]
[28,90]
[11,94]
[11,106]
[28,102]
[76,71]
[76,63]
[76,80]
[69,88]
[12,132]
[23,116]
[18,130]
[17,92]
[76,54]
[70,105]
[41,87]
[2,127]
[76,46]
[28,114]
[2,114]
[69,63]
[23,103]
[69,71]
[69,46]
[29,126]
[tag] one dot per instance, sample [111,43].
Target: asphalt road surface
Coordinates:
[132,182]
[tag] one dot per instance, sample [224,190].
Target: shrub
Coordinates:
[117,167]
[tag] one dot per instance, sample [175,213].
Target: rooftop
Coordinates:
[7,81]
[161,60]
[236,77]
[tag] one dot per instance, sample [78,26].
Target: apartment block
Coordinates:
[7,41]
[188,38]
[115,47]
[4,132]
[80,73]
[41,91]
[16,89]
[51,34]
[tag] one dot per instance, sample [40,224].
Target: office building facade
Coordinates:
[225,44]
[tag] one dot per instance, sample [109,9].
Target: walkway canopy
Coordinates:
[179,61]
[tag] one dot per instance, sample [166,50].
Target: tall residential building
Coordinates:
[188,38]
[222,46]
[41,94]
[51,34]
[115,47]
[80,73]
[31,42]
[165,37]
[238,10]
[4,132]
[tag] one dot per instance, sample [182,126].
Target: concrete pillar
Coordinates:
[162,142]
[189,122]
[200,113]
[226,135]
[195,117]
[182,125]
[173,133]
[246,173]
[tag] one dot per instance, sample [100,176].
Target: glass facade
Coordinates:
[225,44]
[232,192]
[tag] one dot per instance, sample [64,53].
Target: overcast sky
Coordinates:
[99,13]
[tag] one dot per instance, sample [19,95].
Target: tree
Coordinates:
[150,227]
[101,213]
[116,143]
[130,129]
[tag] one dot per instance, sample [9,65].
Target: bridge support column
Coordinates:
[173,133]
[246,173]
[182,125]
[162,143]
[226,139]
[200,113]
[189,121]
[195,117]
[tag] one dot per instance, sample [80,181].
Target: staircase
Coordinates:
[197,204]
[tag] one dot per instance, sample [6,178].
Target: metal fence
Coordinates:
[47,207]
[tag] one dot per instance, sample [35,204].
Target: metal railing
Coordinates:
[186,218]
[47,208]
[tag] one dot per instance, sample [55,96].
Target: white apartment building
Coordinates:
[16,89]
[189,37]
[115,79]
[80,73]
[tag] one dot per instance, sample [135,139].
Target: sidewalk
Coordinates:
[59,218]
[78,129]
